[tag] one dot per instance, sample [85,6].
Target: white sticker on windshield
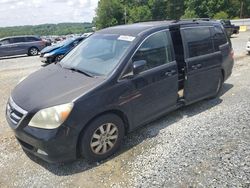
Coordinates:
[126,38]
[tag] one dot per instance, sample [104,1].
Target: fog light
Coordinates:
[41,152]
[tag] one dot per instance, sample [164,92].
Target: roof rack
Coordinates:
[193,19]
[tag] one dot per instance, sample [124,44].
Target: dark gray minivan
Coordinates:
[19,45]
[116,80]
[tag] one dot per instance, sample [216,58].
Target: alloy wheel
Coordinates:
[104,138]
[33,51]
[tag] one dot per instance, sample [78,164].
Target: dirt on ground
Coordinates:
[206,144]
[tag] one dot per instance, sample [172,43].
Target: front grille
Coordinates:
[14,112]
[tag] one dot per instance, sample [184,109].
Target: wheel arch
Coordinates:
[223,74]
[117,112]
[32,47]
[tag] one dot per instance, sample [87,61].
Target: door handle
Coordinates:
[197,66]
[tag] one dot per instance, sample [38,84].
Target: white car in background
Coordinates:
[248,46]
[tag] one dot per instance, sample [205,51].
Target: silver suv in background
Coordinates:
[18,45]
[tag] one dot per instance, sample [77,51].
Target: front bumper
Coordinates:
[54,146]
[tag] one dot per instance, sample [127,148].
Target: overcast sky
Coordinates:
[34,12]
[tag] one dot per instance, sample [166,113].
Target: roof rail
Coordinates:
[193,19]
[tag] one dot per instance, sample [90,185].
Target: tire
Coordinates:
[33,51]
[219,86]
[93,139]
[58,58]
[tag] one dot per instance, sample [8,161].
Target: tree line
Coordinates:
[116,12]
[47,29]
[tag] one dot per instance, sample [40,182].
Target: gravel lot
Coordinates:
[206,144]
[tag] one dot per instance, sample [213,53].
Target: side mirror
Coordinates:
[139,66]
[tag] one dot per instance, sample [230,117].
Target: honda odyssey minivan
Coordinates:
[18,45]
[116,80]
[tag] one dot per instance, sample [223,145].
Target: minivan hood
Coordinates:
[50,86]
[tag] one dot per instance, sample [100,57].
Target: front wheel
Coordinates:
[102,137]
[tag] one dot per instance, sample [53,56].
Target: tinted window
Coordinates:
[198,41]
[5,41]
[32,39]
[219,37]
[17,40]
[156,50]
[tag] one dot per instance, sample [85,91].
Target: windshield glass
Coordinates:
[99,54]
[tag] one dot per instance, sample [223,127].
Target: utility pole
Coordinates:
[125,15]
[241,9]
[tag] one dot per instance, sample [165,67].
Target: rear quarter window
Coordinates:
[219,37]
[197,41]
[18,39]
[32,39]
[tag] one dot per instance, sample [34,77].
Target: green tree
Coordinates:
[109,13]
[221,15]
[189,14]
[139,14]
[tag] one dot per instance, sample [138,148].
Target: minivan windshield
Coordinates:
[98,55]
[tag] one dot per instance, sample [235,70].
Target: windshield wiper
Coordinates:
[81,71]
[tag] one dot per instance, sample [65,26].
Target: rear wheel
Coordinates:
[219,86]
[102,137]
[33,51]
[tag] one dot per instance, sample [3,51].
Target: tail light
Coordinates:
[43,42]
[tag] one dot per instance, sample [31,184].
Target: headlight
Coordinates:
[48,54]
[51,118]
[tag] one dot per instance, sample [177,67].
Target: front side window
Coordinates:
[198,41]
[156,50]
[99,54]
[5,41]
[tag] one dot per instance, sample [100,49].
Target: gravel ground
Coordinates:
[206,144]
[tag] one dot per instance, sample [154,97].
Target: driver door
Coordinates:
[154,89]
[5,47]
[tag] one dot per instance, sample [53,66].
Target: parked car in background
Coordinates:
[248,46]
[229,27]
[18,45]
[56,52]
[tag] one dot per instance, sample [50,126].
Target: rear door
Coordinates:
[154,90]
[203,64]
[34,42]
